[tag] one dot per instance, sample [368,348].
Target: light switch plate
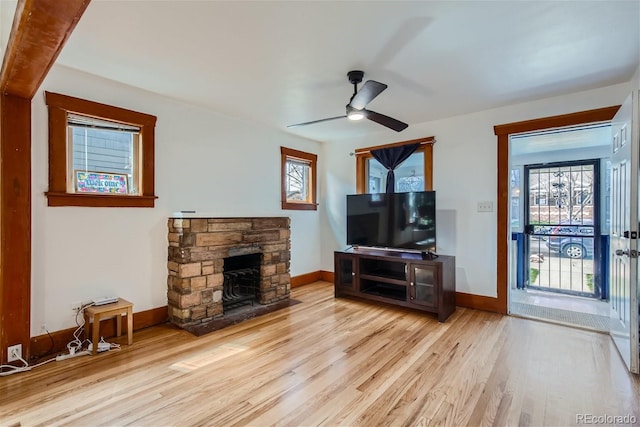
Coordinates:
[485,206]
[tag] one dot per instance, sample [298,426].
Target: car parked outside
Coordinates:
[567,240]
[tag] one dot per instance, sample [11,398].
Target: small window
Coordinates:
[298,179]
[99,155]
[414,174]
[409,176]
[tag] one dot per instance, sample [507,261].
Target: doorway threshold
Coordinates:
[578,312]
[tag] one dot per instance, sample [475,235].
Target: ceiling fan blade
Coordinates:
[369,90]
[317,121]
[387,121]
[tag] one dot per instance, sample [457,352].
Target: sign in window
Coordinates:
[102,183]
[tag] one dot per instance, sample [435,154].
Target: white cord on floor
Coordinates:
[6,370]
[75,346]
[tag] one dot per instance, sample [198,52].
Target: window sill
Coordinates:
[99,201]
[299,206]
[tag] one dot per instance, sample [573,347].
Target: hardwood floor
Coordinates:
[335,362]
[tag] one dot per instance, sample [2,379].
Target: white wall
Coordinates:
[7,11]
[206,162]
[465,167]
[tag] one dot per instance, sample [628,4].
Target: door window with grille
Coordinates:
[562,227]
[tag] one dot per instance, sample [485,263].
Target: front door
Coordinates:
[624,232]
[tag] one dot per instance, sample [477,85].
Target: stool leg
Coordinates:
[119,324]
[130,326]
[96,332]
[87,326]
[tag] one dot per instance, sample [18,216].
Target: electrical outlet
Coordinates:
[43,328]
[75,306]
[485,206]
[14,352]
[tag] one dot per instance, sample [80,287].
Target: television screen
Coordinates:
[398,220]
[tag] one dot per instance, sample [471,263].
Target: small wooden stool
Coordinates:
[100,312]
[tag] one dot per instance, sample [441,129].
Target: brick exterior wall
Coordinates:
[197,249]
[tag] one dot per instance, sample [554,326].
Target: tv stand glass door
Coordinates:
[423,285]
[346,272]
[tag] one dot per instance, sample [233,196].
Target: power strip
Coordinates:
[71,356]
[104,300]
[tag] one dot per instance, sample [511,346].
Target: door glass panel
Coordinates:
[561,228]
[425,285]
[515,210]
[346,273]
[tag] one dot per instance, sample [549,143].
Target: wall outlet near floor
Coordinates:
[14,352]
[485,206]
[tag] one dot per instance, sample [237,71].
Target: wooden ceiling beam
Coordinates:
[40,30]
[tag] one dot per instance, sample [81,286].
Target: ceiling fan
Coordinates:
[359,100]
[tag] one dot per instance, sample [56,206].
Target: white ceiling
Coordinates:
[280,63]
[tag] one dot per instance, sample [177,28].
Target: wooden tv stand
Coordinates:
[396,277]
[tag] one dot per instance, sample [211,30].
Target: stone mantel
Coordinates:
[198,246]
[209,215]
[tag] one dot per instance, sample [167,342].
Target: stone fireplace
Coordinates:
[199,249]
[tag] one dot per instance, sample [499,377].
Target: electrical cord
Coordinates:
[6,370]
[76,344]
[36,357]
[10,369]
[75,347]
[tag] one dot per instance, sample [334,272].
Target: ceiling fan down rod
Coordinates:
[355,77]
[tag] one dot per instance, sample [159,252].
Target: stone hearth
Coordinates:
[197,249]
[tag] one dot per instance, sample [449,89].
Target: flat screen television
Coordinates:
[398,220]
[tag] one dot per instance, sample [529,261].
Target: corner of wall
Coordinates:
[635,80]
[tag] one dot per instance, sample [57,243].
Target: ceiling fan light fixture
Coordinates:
[355,115]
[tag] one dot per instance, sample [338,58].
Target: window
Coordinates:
[298,179]
[540,198]
[99,155]
[414,174]
[409,175]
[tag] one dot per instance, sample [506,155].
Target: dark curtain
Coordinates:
[391,158]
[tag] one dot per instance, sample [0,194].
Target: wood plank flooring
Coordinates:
[335,362]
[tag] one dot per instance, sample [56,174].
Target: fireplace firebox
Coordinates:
[241,283]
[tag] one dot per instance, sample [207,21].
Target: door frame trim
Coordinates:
[503,226]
